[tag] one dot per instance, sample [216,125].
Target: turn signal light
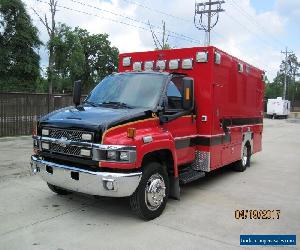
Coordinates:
[131,132]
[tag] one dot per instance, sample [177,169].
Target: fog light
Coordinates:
[45,145]
[124,156]
[111,155]
[85,152]
[45,132]
[109,185]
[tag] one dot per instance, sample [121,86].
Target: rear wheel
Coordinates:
[58,190]
[150,198]
[243,163]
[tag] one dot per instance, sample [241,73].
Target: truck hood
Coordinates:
[92,118]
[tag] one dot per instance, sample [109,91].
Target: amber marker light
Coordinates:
[187,94]
[131,133]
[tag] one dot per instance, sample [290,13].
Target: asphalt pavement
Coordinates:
[32,217]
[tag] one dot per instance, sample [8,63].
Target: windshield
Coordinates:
[128,90]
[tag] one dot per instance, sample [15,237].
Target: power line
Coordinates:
[235,20]
[156,10]
[120,22]
[132,19]
[252,19]
[164,13]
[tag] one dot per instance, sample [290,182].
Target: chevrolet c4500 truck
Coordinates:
[166,118]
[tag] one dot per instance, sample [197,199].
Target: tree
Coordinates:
[19,42]
[275,88]
[51,30]
[81,55]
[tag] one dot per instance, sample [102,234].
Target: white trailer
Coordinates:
[278,107]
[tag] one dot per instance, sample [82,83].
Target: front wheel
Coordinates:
[150,198]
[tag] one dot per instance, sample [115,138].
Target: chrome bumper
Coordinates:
[84,181]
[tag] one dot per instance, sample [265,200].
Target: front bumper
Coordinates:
[85,181]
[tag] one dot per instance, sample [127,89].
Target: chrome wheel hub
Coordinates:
[155,192]
[245,156]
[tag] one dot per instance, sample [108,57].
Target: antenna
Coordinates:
[207,16]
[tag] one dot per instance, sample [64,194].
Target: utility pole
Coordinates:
[207,10]
[286,53]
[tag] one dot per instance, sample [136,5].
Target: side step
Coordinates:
[190,175]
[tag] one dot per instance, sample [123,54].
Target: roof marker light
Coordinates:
[137,66]
[161,64]
[202,56]
[126,61]
[187,63]
[174,64]
[148,65]
[248,68]
[217,58]
[240,67]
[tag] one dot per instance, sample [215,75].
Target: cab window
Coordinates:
[175,93]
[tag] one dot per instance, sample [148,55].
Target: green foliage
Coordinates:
[81,55]
[19,41]
[275,89]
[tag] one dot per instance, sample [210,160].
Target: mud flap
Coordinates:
[174,190]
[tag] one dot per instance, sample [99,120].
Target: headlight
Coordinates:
[86,137]
[45,132]
[85,152]
[124,156]
[45,145]
[112,155]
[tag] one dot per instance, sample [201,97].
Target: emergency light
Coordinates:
[148,65]
[174,64]
[202,56]
[126,61]
[161,64]
[217,58]
[137,66]
[187,63]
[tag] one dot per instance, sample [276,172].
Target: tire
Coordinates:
[142,201]
[242,164]
[58,190]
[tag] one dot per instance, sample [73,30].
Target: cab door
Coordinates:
[183,128]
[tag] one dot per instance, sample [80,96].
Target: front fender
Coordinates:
[155,145]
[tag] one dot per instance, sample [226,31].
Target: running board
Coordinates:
[190,175]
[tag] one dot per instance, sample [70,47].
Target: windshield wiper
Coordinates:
[118,104]
[91,103]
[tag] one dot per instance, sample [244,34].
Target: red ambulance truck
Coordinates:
[166,118]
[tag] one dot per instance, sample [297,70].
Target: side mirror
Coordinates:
[77,92]
[188,93]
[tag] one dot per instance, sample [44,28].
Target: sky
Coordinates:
[255,31]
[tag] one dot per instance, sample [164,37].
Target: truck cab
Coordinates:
[159,122]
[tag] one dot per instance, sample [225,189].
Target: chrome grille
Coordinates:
[69,150]
[72,135]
